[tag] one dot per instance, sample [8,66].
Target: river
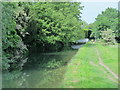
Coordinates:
[44,70]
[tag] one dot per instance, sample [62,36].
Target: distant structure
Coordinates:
[83,40]
[79,43]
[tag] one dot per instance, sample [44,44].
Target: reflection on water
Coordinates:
[77,46]
[45,70]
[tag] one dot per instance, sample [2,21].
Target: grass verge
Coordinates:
[85,71]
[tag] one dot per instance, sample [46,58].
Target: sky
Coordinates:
[92,9]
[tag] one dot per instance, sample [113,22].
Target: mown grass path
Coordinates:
[105,66]
[112,76]
[94,66]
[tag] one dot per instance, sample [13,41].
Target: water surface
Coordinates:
[45,71]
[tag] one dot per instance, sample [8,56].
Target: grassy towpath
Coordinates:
[94,66]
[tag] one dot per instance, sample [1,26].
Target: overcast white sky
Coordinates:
[93,8]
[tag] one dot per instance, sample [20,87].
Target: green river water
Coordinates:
[46,70]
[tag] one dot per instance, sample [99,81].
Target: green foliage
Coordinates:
[53,64]
[12,45]
[37,25]
[22,19]
[108,19]
[108,36]
[9,36]
[55,22]
[85,25]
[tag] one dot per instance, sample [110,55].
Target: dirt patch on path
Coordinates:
[104,71]
[105,66]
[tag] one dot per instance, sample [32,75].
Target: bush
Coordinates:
[108,36]
[13,47]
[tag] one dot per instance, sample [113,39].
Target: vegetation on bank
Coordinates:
[37,26]
[30,27]
[89,67]
[106,26]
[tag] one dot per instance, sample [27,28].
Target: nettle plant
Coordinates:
[108,36]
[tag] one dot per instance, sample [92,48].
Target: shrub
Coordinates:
[108,36]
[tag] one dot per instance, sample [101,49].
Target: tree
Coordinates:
[85,28]
[52,23]
[12,45]
[37,25]
[108,19]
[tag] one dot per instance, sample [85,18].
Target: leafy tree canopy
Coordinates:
[108,19]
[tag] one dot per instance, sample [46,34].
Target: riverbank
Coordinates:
[46,70]
[94,66]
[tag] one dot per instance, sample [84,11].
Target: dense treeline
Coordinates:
[106,25]
[108,19]
[38,25]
